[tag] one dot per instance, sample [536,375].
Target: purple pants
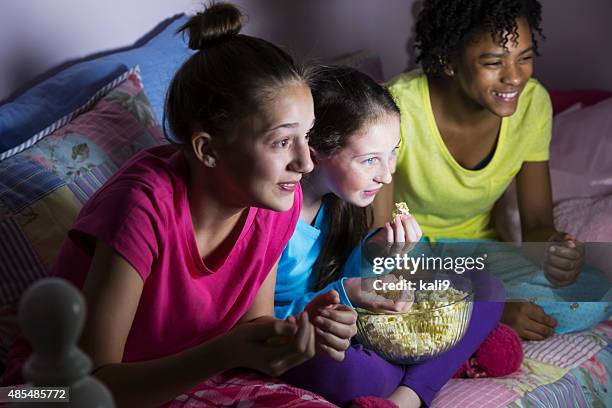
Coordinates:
[364,373]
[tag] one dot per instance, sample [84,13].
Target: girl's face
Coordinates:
[494,77]
[357,172]
[263,169]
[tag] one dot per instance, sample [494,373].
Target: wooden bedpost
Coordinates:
[52,314]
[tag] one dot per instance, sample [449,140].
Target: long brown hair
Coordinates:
[345,100]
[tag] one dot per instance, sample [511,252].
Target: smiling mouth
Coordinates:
[291,186]
[506,96]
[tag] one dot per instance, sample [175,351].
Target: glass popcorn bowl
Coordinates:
[436,322]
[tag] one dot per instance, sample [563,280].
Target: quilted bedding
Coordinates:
[568,370]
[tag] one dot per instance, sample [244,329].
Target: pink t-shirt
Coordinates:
[143,213]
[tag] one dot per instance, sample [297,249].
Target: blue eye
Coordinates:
[281,143]
[370,161]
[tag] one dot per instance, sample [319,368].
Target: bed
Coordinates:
[61,139]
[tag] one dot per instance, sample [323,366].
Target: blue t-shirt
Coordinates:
[295,278]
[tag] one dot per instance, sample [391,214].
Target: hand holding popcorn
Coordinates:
[362,294]
[396,238]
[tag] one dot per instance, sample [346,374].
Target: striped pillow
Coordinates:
[43,187]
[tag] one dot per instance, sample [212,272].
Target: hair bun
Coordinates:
[217,21]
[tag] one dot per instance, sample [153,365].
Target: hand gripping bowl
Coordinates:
[436,322]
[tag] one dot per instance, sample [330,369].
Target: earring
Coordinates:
[447,68]
[210,162]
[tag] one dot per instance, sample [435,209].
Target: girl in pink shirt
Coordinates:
[176,254]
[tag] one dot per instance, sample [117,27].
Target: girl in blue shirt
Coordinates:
[353,144]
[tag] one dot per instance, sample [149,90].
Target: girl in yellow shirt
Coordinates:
[472,121]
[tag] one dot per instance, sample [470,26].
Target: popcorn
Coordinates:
[436,322]
[401,208]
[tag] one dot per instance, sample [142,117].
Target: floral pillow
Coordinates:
[43,188]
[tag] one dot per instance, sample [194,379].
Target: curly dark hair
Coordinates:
[444,26]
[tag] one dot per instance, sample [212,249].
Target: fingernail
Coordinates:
[551,249]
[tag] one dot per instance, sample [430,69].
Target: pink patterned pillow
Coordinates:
[589,220]
[581,152]
[43,188]
[580,164]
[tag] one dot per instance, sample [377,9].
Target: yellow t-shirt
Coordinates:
[448,200]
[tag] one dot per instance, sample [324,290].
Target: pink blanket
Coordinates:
[238,388]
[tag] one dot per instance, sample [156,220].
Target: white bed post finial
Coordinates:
[52,314]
